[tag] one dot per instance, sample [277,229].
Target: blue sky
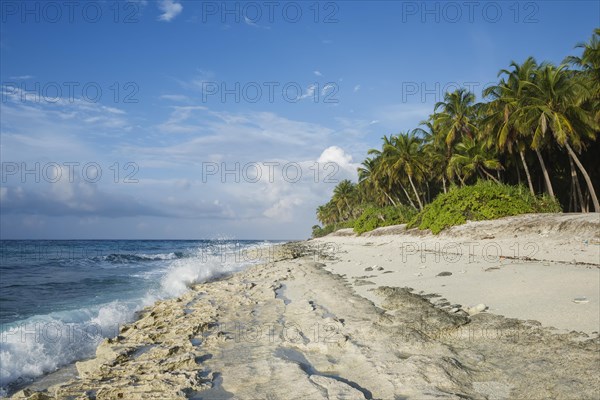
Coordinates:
[151,94]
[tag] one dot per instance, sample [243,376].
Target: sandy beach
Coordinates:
[504,309]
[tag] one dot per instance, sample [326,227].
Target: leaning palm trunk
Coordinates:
[489,175]
[586,177]
[389,198]
[576,188]
[416,193]
[527,172]
[444,184]
[408,197]
[545,172]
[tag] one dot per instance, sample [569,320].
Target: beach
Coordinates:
[498,309]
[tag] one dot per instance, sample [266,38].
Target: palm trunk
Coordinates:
[571,197]
[527,172]
[389,198]
[575,188]
[349,213]
[444,183]
[545,172]
[408,197]
[490,175]
[518,174]
[416,193]
[586,177]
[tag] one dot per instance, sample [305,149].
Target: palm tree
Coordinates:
[344,197]
[554,105]
[434,152]
[589,61]
[456,116]
[328,214]
[472,157]
[369,185]
[402,155]
[383,176]
[499,125]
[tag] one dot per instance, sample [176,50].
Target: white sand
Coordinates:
[476,253]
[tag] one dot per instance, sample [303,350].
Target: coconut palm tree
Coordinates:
[498,126]
[385,177]
[344,197]
[455,118]
[472,157]
[589,61]
[434,152]
[553,105]
[328,214]
[402,156]
[371,187]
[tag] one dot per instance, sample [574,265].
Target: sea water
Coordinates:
[59,299]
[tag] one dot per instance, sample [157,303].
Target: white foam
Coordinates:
[159,256]
[187,271]
[42,344]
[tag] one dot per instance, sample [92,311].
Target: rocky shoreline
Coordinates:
[292,329]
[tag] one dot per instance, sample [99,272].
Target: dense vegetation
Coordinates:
[536,127]
[484,200]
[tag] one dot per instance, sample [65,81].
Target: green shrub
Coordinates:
[317,231]
[482,201]
[375,217]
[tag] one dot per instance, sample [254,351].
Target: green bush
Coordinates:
[375,217]
[482,201]
[317,231]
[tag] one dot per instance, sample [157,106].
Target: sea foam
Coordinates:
[43,343]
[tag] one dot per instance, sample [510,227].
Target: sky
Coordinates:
[206,119]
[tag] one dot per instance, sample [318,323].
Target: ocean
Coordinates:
[59,299]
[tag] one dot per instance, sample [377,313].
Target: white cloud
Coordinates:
[356,88]
[176,97]
[21,77]
[253,24]
[310,91]
[170,9]
[317,73]
[170,166]
[326,88]
[177,120]
[337,155]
